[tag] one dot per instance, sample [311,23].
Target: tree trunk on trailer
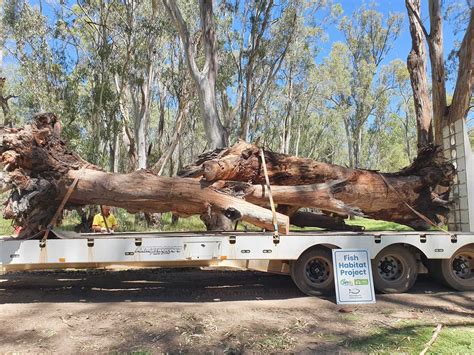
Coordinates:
[307,183]
[39,168]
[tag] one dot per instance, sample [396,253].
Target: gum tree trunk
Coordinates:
[304,182]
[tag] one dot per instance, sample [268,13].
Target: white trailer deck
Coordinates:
[156,248]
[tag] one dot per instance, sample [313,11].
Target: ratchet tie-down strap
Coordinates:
[68,194]
[276,236]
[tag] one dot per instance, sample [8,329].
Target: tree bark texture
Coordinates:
[307,183]
[205,79]
[465,82]
[416,63]
[440,114]
[39,168]
[7,119]
[438,73]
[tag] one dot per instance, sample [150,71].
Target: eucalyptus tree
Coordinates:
[92,23]
[136,67]
[389,138]
[4,98]
[181,89]
[29,35]
[433,117]
[206,77]
[404,110]
[259,36]
[368,37]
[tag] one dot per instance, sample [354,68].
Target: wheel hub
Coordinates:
[462,266]
[389,268]
[317,270]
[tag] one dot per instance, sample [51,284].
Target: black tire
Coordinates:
[457,272]
[394,269]
[313,272]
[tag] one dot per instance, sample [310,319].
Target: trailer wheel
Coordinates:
[457,272]
[313,272]
[394,270]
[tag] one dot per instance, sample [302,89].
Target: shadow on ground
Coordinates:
[137,285]
[176,285]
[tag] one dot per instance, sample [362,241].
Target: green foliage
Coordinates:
[6,227]
[128,222]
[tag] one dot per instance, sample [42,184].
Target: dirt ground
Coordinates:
[194,310]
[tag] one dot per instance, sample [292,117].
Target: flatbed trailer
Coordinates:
[397,257]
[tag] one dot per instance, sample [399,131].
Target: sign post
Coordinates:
[353,276]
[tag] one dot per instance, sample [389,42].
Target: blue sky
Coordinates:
[402,45]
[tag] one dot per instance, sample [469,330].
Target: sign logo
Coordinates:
[353,275]
[345,282]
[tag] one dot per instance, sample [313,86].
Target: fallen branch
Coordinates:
[433,339]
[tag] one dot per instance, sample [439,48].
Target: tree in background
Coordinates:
[368,39]
[206,77]
[433,117]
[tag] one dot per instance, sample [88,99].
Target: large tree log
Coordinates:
[38,168]
[385,196]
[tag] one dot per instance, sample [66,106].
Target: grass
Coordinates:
[261,339]
[455,340]
[6,227]
[376,225]
[128,222]
[412,339]
[368,224]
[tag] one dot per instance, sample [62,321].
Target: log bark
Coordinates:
[307,183]
[38,168]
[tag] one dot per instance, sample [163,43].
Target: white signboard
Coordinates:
[353,276]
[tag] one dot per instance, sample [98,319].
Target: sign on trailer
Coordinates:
[353,276]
